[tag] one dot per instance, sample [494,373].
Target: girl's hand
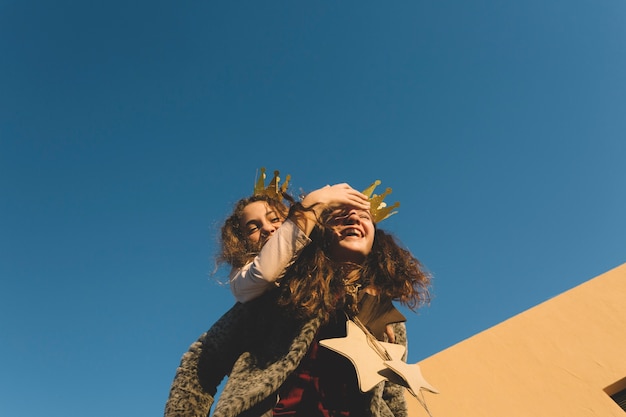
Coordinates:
[336,196]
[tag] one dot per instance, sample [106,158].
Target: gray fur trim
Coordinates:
[258,346]
[252,381]
[204,366]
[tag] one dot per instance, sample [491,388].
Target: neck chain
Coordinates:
[352,298]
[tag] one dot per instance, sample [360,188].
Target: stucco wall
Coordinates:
[553,360]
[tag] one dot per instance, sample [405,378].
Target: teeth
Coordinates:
[352,232]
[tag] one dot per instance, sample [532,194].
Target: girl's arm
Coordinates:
[283,248]
[278,253]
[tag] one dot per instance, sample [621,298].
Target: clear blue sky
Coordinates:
[129,128]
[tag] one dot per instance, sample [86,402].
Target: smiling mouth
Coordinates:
[352,232]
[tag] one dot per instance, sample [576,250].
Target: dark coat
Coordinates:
[258,346]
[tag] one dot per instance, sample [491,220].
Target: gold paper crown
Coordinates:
[378,207]
[273,190]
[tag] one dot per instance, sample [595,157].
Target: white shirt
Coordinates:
[278,253]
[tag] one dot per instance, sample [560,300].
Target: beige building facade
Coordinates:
[565,357]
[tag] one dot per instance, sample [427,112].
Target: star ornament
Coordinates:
[412,374]
[370,367]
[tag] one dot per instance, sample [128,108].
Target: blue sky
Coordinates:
[128,130]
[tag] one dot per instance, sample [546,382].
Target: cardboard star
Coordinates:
[370,367]
[412,374]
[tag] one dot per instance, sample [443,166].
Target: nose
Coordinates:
[352,217]
[268,229]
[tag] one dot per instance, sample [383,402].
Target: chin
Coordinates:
[343,254]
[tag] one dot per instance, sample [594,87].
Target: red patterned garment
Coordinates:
[324,385]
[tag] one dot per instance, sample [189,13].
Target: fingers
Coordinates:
[336,196]
[344,194]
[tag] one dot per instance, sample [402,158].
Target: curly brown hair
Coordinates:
[315,284]
[235,249]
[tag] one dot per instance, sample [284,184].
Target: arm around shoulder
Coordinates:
[270,264]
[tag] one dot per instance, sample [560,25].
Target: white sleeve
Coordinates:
[278,253]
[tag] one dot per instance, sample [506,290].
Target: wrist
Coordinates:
[304,217]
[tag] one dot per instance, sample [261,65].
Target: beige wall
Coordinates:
[553,360]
